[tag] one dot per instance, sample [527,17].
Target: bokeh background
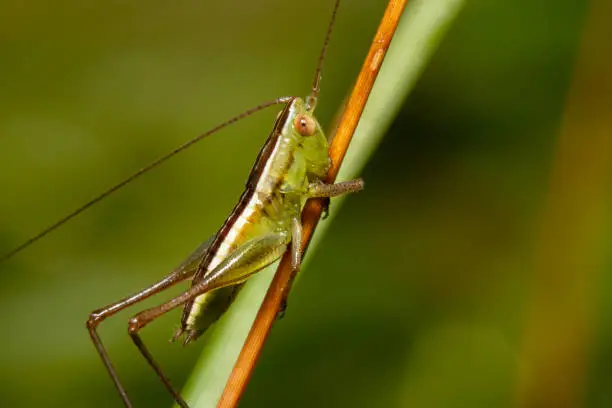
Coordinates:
[474,271]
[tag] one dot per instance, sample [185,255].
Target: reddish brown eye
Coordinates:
[305,125]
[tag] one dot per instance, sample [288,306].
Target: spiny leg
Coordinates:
[246,260]
[334,190]
[184,271]
[323,190]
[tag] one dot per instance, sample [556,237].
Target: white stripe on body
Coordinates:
[235,232]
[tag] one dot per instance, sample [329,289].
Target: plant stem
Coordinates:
[281,284]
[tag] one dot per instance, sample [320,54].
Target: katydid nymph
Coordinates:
[265,223]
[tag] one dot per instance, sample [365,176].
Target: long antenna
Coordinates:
[311,100]
[184,146]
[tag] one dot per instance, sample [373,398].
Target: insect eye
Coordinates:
[305,125]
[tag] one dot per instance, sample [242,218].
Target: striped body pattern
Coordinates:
[274,195]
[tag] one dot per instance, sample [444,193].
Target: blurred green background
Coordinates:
[419,296]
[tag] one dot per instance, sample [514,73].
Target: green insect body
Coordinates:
[266,221]
[261,224]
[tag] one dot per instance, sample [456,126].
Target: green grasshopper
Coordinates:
[262,226]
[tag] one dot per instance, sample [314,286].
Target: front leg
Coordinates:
[326,191]
[320,189]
